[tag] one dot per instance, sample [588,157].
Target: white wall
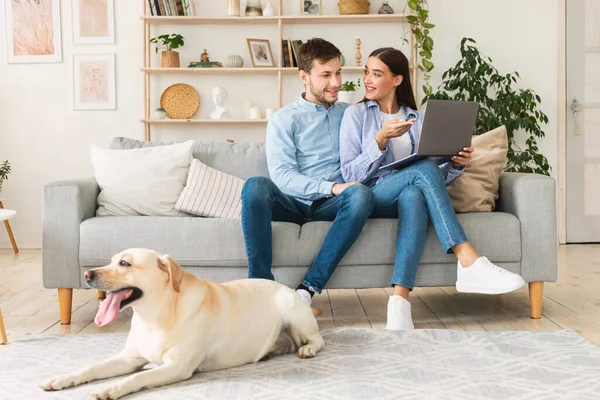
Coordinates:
[46,140]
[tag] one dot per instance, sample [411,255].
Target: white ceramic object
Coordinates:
[234,61]
[269,111]
[160,113]
[345,97]
[219,96]
[255,113]
[268,10]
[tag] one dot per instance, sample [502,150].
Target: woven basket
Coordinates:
[180,101]
[354,7]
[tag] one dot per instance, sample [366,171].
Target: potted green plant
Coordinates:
[4,172]
[502,101]
[167,43]
[346,90]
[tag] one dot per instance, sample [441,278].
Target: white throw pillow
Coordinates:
[144,181]
[211,193]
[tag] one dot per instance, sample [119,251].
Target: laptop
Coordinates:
[448,126]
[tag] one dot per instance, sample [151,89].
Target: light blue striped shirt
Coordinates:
[303,154]
[359,152]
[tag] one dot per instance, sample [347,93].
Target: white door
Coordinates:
[583,121]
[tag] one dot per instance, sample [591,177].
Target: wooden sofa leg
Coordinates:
[101,294]
[536,294]
[65,302]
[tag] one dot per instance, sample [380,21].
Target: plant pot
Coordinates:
[348,7]
[169,59]
[345,97]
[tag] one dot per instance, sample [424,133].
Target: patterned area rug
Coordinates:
[355,364]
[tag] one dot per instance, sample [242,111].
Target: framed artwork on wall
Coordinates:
[260,53]
[33,31]
[94,84]
[310,7]
[93,22]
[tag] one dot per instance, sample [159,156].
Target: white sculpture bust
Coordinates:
[219,96]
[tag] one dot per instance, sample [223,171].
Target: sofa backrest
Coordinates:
[243,160]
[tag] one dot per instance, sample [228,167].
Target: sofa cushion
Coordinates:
[144,181]
[243,160]
[211,193]
[215,242]
[476,189]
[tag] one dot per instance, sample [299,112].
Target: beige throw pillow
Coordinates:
[211,193]
[476,189]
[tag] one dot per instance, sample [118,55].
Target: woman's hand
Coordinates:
[463,158]
[392,129]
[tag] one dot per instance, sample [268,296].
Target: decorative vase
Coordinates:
[268,10]
[169,59]
[233,8]
[234,61]
[160,113]
[342,60]
[253,8]
[345,97]
[385,9]
[353,7]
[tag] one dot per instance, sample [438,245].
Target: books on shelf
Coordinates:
[205,64]
[289,52]
[171,8]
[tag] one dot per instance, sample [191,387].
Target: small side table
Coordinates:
[5,215]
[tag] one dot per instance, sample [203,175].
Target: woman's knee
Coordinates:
[429,169]
[411,194]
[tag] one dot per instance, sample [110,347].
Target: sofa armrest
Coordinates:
[532,199]
[66,205]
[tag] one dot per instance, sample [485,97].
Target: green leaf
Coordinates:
[412,4]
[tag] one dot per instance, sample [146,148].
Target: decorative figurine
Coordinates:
[357,54]
[204,56]
[219,96]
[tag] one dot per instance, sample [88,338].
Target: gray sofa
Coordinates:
[520,235]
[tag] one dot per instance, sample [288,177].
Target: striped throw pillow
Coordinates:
[211,193]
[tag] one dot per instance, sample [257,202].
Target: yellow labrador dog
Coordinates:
[185,324]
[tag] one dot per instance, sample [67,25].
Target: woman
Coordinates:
[385,127]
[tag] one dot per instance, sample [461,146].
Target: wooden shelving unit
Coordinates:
[279,20]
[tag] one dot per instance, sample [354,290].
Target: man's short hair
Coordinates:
[316,49]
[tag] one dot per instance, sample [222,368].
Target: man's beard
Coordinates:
[320,96]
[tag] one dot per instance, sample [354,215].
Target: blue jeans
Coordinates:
[263,202]
[414,195]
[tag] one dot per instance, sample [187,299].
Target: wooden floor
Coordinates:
[572,302]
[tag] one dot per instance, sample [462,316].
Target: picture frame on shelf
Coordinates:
[93,21]
[311,7]
[94,85]
[260,53]
[33,31]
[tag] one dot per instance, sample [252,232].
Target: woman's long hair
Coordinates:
[398,64]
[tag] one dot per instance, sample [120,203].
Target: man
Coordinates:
[304,165]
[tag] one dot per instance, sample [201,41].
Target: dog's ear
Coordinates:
[167,264]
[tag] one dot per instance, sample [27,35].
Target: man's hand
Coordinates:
[463,157]
[392,129]
[338,188]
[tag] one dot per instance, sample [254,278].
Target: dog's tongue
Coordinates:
[109,309]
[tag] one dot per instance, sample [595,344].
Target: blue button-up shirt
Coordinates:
[303,153]
[360,154]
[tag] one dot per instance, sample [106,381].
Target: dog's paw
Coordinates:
[108,393]
[307,351]
[58,382]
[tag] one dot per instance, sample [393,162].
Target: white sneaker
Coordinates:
[399,316]
[487,278]
[305,296]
